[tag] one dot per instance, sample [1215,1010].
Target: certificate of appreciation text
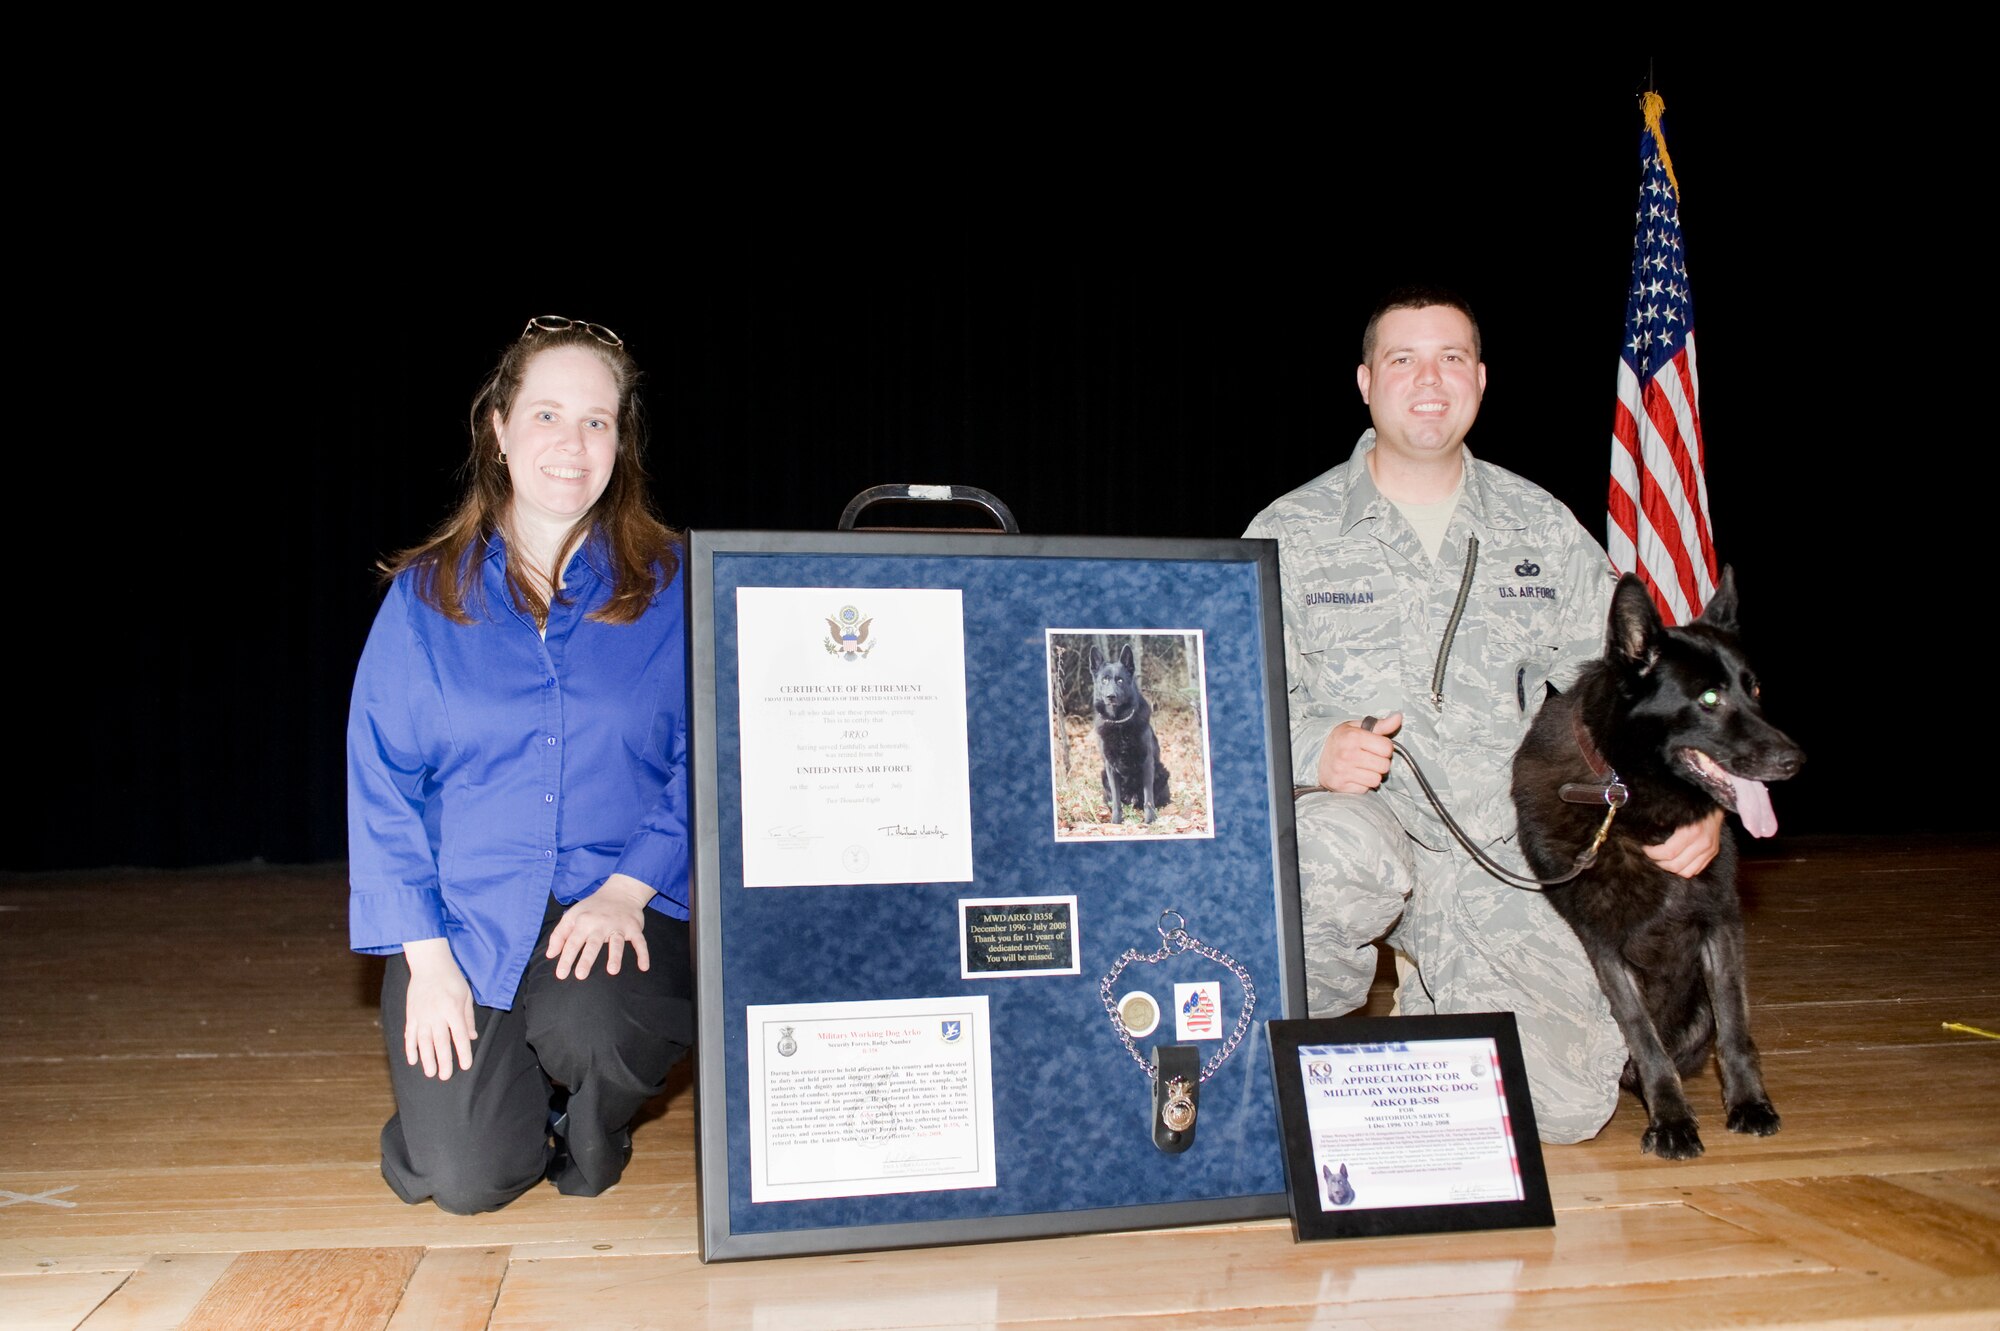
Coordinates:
[1422,1123]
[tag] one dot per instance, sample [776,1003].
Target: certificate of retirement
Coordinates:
[853,741]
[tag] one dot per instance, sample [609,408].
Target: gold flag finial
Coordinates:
[1653,106]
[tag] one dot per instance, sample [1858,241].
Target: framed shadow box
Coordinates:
[1408,1125]
[993,886]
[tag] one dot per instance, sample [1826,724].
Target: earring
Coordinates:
[503,457]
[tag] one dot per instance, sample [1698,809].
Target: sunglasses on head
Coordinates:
[555,323]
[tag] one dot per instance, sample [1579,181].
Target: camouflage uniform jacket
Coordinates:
[1367,613]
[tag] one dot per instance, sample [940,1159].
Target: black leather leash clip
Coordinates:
[1176,1095]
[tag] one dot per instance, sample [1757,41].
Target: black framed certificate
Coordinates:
[992,886]
[1400,1125]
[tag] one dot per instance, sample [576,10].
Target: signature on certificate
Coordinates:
[903,830]
[794,837]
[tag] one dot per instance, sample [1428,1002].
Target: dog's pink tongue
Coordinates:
[1753,806]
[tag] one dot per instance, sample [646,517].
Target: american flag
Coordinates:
[1659,524]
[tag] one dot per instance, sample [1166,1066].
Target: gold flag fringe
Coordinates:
[1653,106]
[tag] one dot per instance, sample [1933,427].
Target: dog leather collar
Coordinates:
[1607,789]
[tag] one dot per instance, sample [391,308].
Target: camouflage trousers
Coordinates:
[1478,944]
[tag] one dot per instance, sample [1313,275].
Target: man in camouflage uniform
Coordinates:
[1439,594]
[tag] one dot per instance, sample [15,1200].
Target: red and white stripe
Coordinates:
[1658,504]
[1507,1131]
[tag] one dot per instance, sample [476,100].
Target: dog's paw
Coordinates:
[1672,1139]
[1758,1116]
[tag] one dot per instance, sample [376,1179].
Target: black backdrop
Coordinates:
[1120,327]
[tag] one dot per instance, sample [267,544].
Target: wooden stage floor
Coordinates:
[192,1084]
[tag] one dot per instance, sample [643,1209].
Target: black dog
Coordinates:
[1674,713]
[1133,772]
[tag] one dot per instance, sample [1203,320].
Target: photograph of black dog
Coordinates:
[1128,734]
[1674,713]
[1133,772]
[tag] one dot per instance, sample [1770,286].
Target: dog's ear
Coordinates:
[1720,612]
[1096,659]
[1633,638]
[1125,656]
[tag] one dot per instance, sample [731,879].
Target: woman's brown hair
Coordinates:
[643,551]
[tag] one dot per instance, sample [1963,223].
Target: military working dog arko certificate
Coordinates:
[861,1099]
[1407,1125]
[1401,1123]
[852,714]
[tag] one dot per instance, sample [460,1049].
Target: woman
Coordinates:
[517,795]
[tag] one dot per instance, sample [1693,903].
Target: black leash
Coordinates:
[1613,793]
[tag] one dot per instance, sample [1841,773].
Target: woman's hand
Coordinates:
[437,1015]
[609,918]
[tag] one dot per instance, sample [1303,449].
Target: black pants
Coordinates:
[480,1140]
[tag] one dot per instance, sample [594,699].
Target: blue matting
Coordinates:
[1072,1109]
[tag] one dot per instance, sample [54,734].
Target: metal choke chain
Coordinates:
[1174,941]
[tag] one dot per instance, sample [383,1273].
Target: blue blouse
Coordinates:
[489,765]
